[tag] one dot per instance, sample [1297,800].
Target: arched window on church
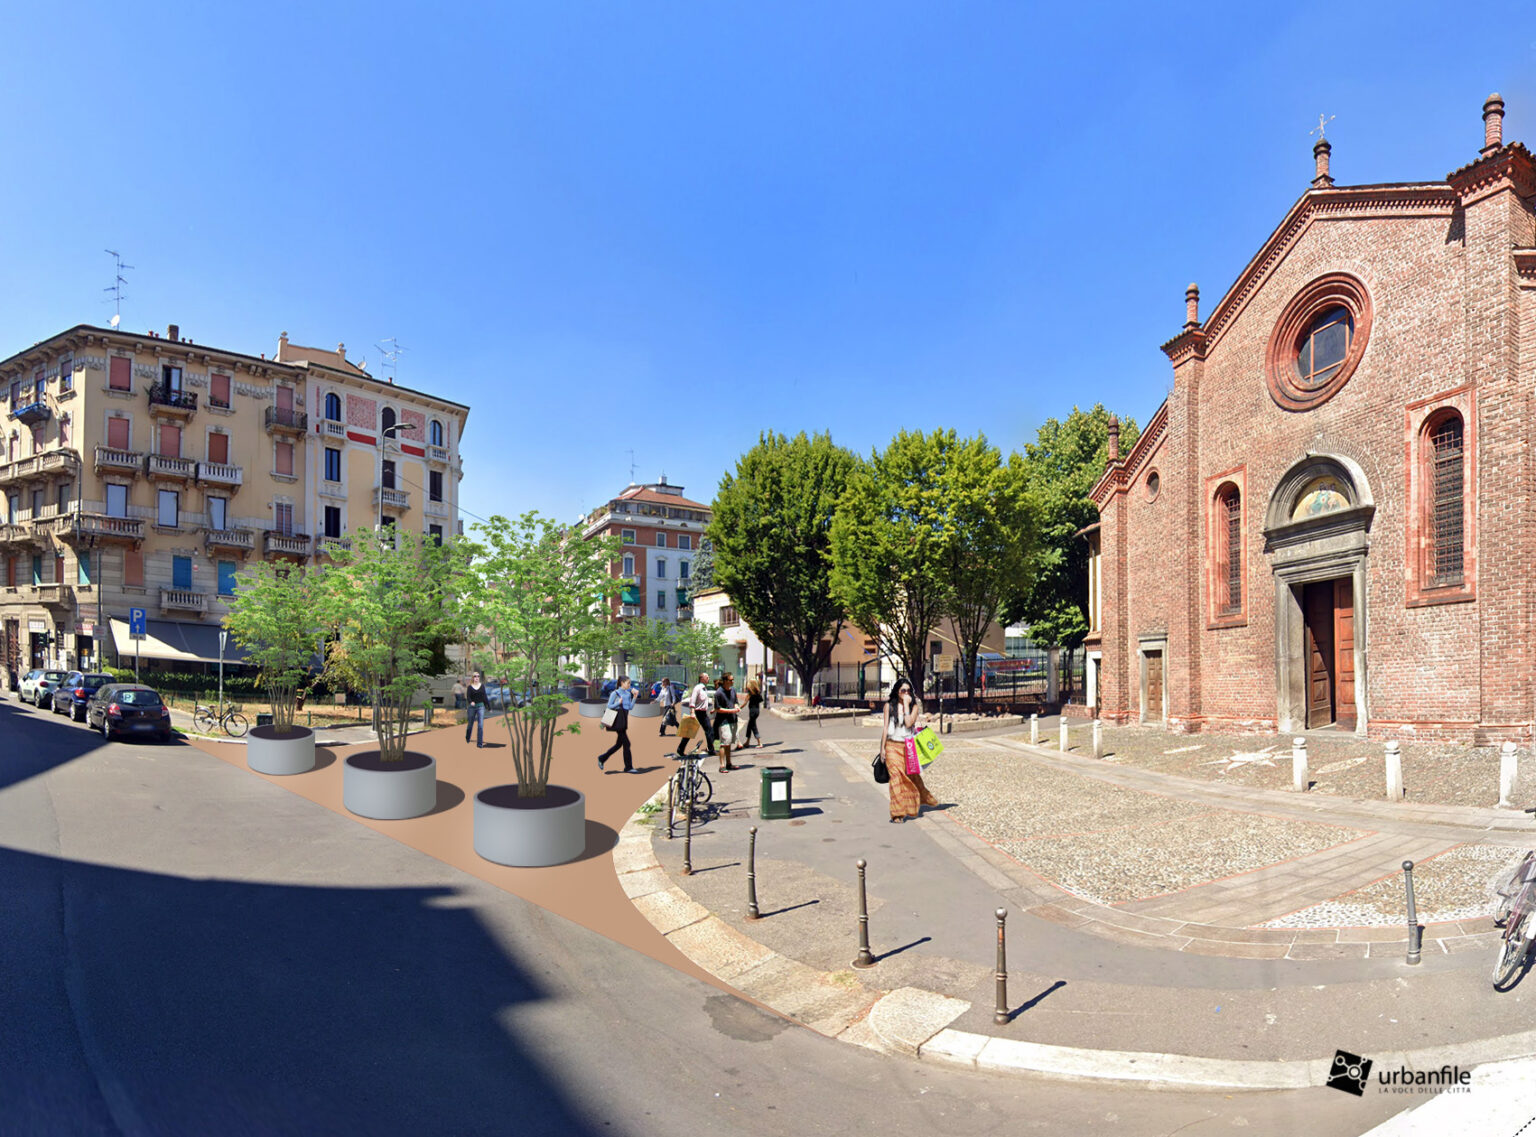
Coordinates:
[1444,504]
[1227,533]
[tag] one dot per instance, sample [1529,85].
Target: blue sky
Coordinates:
[667,226]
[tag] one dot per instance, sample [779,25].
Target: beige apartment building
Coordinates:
[143,470]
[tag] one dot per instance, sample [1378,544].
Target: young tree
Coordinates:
[541,592]
[386,603]
[771,530]
[648,642]
[699,644]
[891,541]
[272,615]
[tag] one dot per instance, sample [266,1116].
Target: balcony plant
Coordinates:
[541,593]
[387,607]
[272,617]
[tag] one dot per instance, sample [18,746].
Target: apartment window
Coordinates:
[15,394]
[661,539]
[387,419]
[333,407]
[284,461]
[218,390]
[37,439]
[435,485]
[120,374]
[661,567]
[117,500]
[170,377]
[170,442]
[685,540]
[436,433]
[37,568]
[64,430]
[218,513]
[37,504]
[58,569]
[333,521]
[629,565]
[332,464]
[66,372]
[387,474]
[436,533]
[117,433]
[661,599]
[218,448]
[65,490]
[39,387]
[226,578]
[282,518]
[181,573]
[683,569]
[133,568]
[13,507]
[10,572]
[627,536]
[728,617]
[83,568]
[168,512]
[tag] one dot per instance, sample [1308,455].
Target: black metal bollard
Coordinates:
[752,913]
[671,784]
[863,959]
[1415,933]
[688,839]
[1001,1016]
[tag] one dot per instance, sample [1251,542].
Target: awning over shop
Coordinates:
[176,640]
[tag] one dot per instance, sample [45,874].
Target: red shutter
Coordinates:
[285,399]
[218,448]
[117,433]
[121,374]
[285,458]
[58,570]
[170,442]
[219,393]
[133,568]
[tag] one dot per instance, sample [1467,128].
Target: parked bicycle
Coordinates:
[1517,901]
[231,721]
[691,782]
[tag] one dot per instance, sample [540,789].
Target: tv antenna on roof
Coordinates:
[116,287]
[391,351]
[631,454]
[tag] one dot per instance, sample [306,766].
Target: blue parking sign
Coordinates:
[136,621]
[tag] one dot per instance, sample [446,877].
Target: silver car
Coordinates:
[37,686]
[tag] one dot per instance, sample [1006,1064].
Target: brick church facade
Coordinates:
[1331,521]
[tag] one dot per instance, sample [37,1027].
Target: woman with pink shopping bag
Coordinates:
[900,722]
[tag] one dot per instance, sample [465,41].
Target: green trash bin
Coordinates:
[263,718]
[777,793]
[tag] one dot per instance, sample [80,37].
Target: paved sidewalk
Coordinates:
[1094,989]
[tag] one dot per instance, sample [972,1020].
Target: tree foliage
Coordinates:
[702,570]
[273,616]
[772,536]
[699,645]
[648,642]
[540,593]
[1060,467]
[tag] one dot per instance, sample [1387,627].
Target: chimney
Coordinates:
[341,350]
[1493,124]
[1192,306]
[172,333]
[1114,439]
[1320,152]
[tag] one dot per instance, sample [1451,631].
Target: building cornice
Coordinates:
[1118,474]
[1509,167]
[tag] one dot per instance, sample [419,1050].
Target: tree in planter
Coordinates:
[699,644]
[273,616]
[541,593]
[386,604]
[647,642]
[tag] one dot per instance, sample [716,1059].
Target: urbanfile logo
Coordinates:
[1350,1073]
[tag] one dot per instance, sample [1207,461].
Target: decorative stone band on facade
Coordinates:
[1334,290]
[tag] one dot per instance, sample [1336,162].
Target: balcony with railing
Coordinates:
[438,454]
[19,533]
[333,429]
[183,600]
[276,544]
[101,527]
[40,467]
[165,468]
[391,499]
[435,508]
[48,595]
[286,421]
[33,414]
[220,475]
[110,461]
[330,546]
[229,540]
[172,400]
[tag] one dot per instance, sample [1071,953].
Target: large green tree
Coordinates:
[1060,467]
[699,645]
[273,616]
[772,536]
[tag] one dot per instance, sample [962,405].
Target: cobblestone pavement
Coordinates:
[1343,765]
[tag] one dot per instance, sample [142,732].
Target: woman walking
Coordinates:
[726,707]
[474,697]
[666,696]
[620,701]
[901,720]
[754,705]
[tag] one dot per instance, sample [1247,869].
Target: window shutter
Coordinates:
[181,572]
[133,568]
[218,448]
[285,458]
[170,441]
[218,393]
[117,433]
[121,376]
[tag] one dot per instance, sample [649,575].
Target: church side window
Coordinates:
[1228,534]
[1444,504]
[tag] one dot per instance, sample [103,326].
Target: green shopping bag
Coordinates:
[928,746]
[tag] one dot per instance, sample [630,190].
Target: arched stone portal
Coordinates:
[1316,536]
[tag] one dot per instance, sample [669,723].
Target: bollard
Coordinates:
[863,959]
[1098,738]
[671,783]
[1415,933]
[1394,771]
[752,913]
[688,839]
[1299,776]
[1034,730]
[1000,1016]
[1062,746]
[1509,770]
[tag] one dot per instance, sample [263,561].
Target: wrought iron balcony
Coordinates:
[163,398]
[113,461]
[285,544]
[220,474]
[32,413]
[183,600]
[290,421]
[173,469]
[227,540]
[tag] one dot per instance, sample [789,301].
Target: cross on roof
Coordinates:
[1322,121]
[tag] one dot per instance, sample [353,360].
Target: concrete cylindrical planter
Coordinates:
[592,708]
[645,711]
[268,752]
[389,791]
[530,832]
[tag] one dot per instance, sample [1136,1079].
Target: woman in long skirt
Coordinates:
[902,719]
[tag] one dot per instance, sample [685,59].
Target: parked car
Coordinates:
[129,709]
[74,694]
[37,686]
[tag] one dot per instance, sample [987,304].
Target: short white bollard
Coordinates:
[1034,730]
[1063,744]
[1394,771]
[1299,776]
[1098,738]
[1509,770]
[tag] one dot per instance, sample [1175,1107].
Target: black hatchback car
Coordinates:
[73,695]
[128,710]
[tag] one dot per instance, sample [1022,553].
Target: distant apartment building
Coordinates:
[142,471]
[661,530]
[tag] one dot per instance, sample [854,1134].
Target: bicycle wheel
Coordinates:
[204,720]
[702,790]
[1512,951]
[235,725]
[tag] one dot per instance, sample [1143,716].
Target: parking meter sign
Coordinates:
[136,627]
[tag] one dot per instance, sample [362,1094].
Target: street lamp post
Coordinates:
[379,477]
